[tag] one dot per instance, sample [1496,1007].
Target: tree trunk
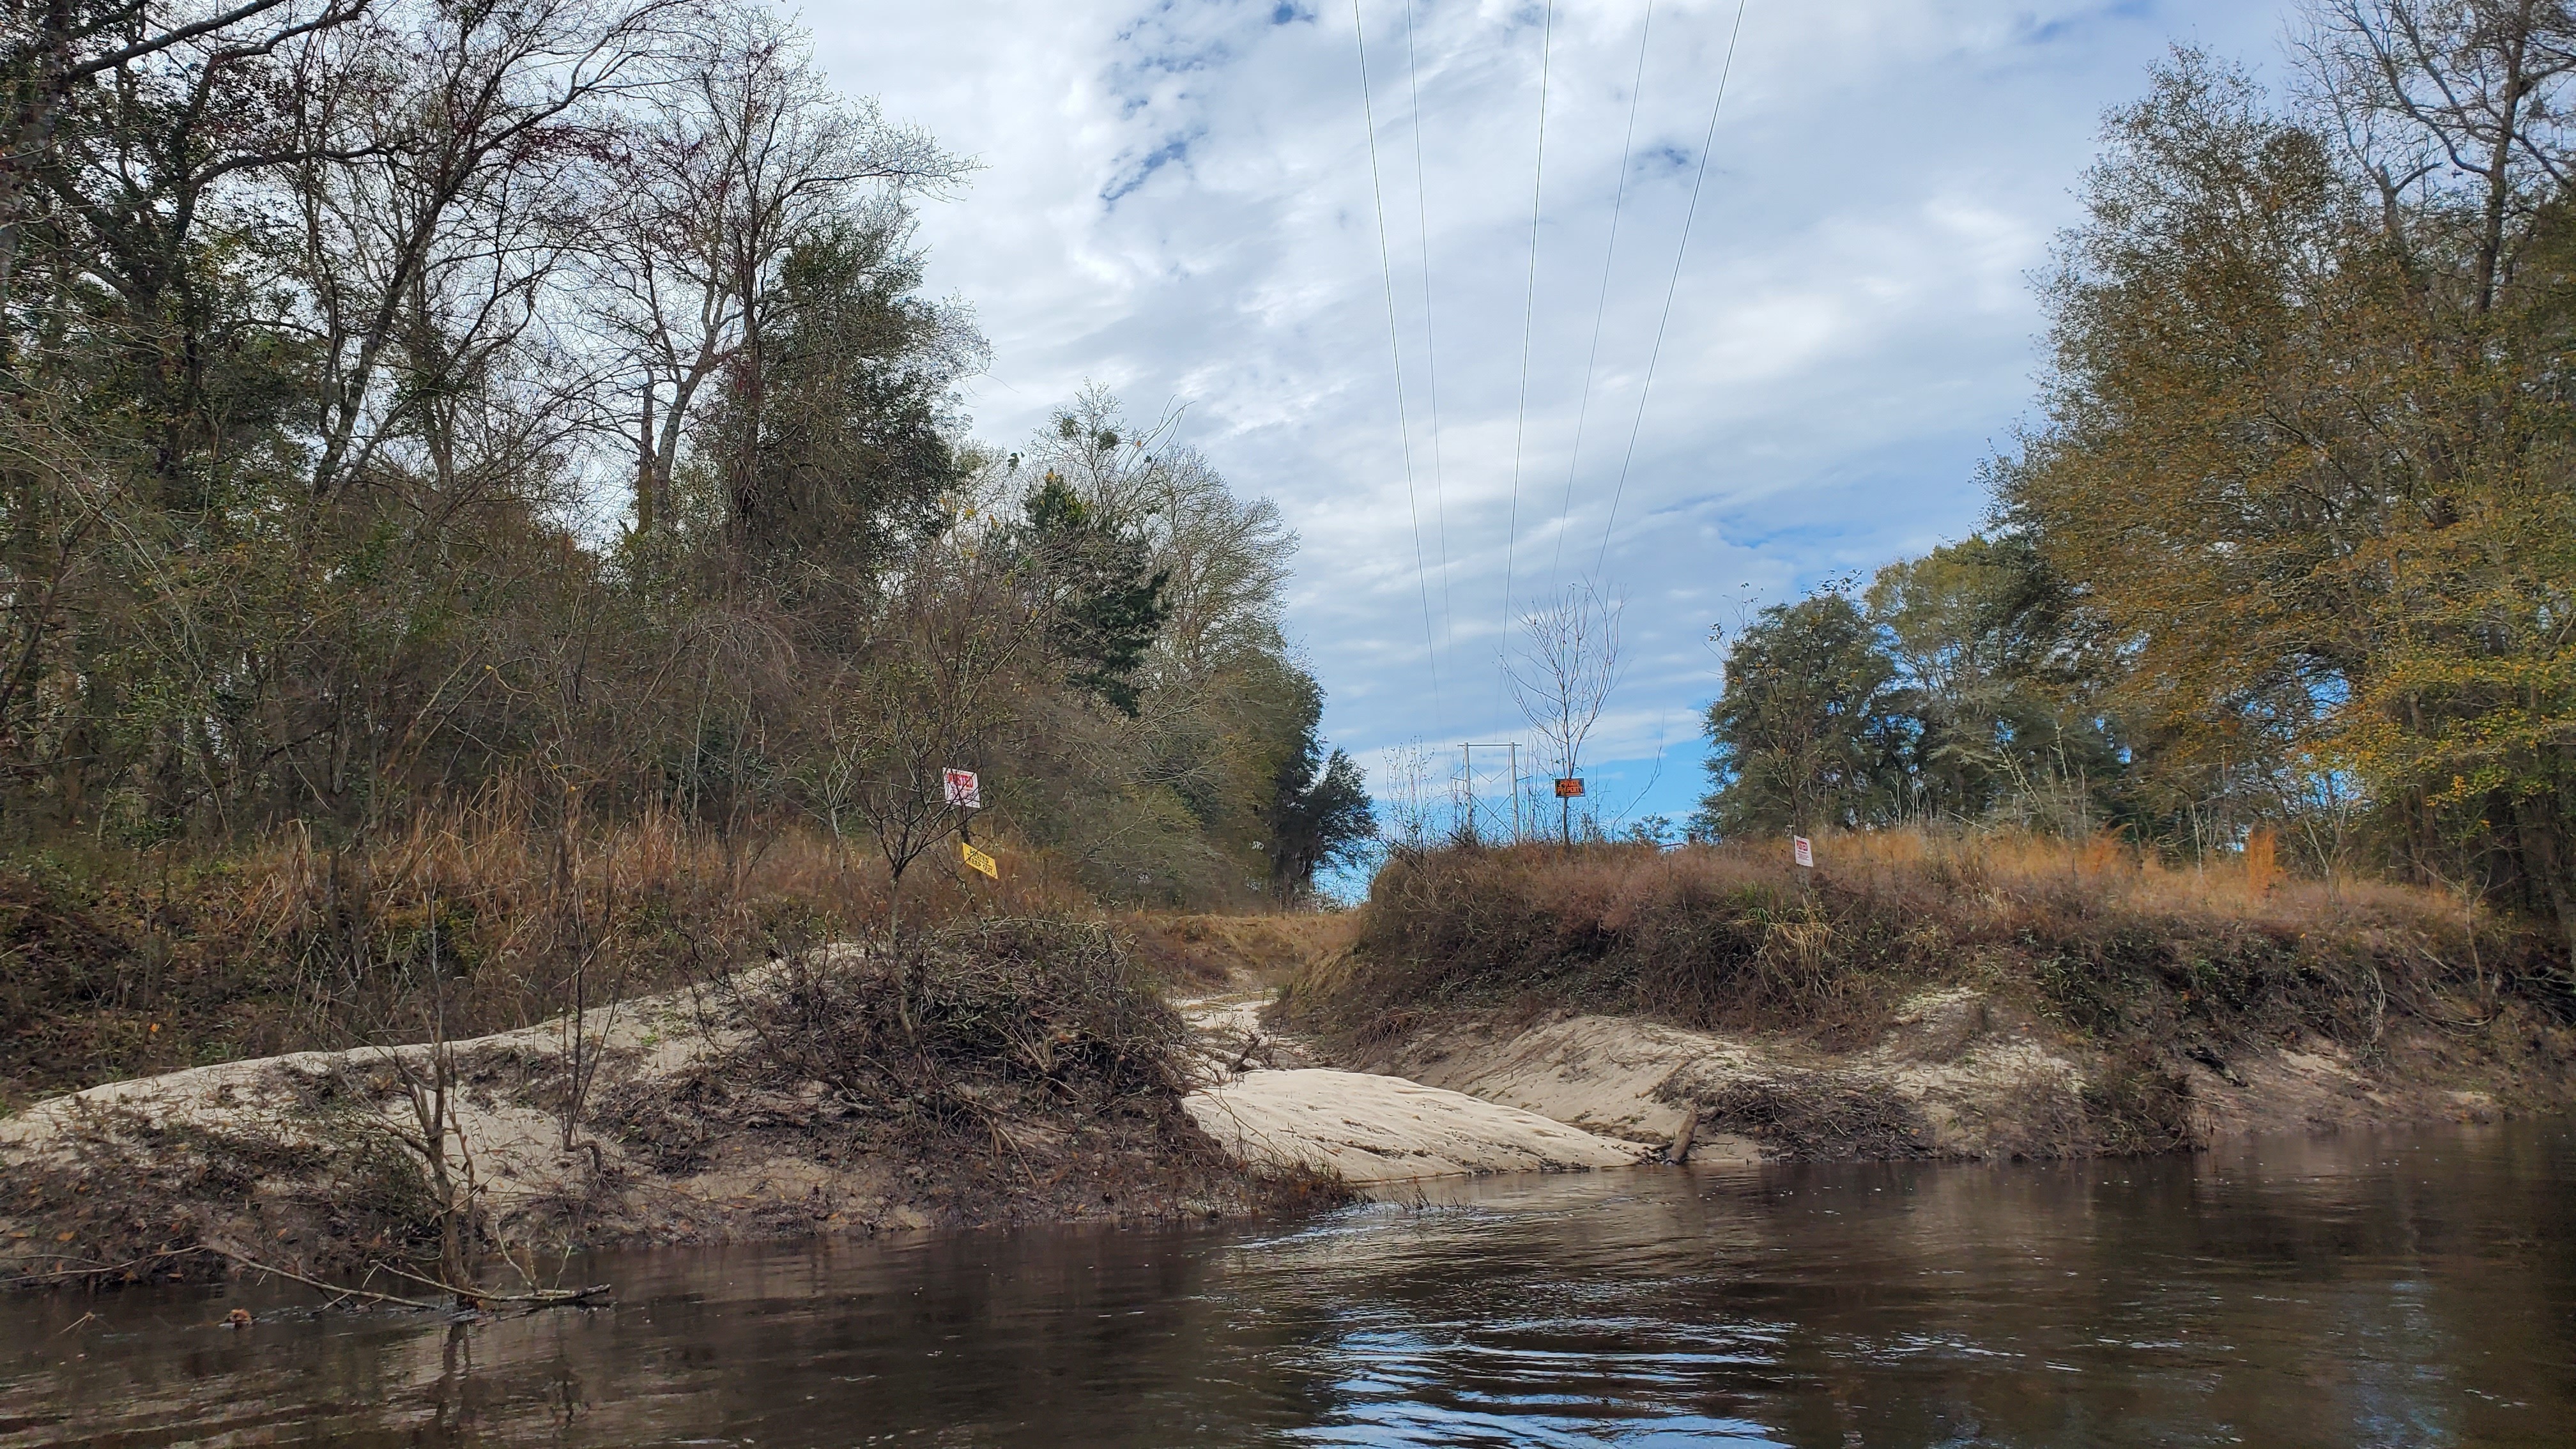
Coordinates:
[2544,855]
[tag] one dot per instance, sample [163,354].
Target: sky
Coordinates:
[1180,202]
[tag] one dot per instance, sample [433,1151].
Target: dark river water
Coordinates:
[2407,1289]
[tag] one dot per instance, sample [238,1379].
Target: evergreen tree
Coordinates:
[1107,595]
[1320,814]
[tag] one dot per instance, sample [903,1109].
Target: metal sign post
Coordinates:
[965,794]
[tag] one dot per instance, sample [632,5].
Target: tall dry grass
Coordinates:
[2102,937]
[2110,872]
[478,916]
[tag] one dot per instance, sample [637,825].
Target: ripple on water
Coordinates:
[2409,1289]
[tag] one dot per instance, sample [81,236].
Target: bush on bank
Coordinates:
[2095,936]
[121,965]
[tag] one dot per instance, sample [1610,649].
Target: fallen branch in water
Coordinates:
[539,1297]
[337,1290]
[465,1297]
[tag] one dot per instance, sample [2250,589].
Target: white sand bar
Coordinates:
[1373,1129]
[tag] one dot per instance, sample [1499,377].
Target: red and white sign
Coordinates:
[1806,853]
[1569,789]
[963,790]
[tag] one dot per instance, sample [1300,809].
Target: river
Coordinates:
[2414,1288]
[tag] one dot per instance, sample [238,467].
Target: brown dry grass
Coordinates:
[498,908]
[1220,950]
[2091,933]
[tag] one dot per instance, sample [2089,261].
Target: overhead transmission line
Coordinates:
[1529,316]
[1601,304]
[1395,349]
[1683,247]
[1430,340]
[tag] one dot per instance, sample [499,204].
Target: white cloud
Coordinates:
[1176,203]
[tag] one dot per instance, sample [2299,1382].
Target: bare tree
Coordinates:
[442,167]
[2460,103]
[1568,663]
[431,1083]
[939,682]
[715,180]
[1410,798]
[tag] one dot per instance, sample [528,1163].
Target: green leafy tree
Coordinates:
[833,438]
[1806,733]
[2304,446]
[1999,686]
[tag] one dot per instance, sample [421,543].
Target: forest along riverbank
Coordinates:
[1488,1011]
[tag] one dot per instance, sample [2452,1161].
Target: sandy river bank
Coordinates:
[686,1131]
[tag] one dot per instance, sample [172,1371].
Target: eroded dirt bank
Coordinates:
[1268,1101]
[1945,998]
[1026,1074]
[1956,1075]
[1041,1070]
[1017,1072]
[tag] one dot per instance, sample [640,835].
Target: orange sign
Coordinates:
[1568,789]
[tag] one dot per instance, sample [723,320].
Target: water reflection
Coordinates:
[2405,1290]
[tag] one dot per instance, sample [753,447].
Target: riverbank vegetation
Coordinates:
[2286,554]
[485,502]
[2105,937]
[1939,993]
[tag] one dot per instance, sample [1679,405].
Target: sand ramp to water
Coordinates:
[1375,1129]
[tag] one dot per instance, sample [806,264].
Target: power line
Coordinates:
[1601,305]
[1430,341]
[1529,315]
[1395,348]
[1706,143]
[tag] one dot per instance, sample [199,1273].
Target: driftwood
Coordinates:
[476,1297]
[462,1296]
[1680,1151]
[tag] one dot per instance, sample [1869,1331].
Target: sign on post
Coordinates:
[978,860]
[1569,789]
[964,791]
[1806,853]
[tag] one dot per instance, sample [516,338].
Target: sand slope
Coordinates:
[1368,1129]
[1954,1076]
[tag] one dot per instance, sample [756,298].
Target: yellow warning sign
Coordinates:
[978,860]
